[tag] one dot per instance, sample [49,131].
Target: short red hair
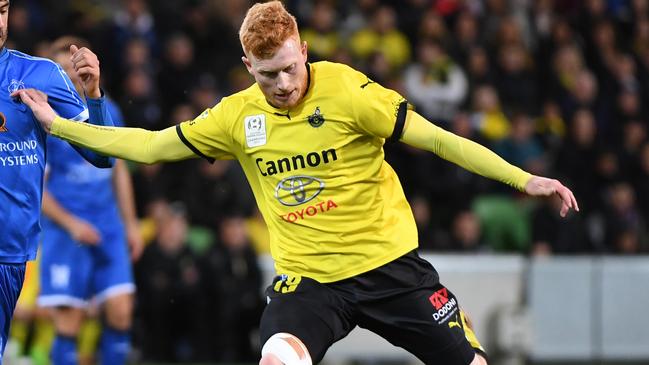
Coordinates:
[265,29]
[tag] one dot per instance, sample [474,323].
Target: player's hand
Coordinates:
[135,242]
[83,232]
[542,186]
[37,101]
[86,64]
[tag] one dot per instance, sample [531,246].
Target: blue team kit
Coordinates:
[22,165]
[72,273]
[24,151]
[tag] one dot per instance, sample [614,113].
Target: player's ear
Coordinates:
[304,50]
[246,62]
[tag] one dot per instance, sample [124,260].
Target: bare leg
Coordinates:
[478,360]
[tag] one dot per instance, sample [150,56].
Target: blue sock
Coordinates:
[114,346]
[64,350]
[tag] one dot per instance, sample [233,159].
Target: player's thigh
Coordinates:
[68,320]
[65,270]
[12,277]
[426,322]
[112,267]
[307,310]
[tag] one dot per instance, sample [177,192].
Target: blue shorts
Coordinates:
[72,273]
[11,281]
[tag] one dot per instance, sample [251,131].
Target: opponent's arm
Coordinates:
[135,144]
[124,191]
[99,115]
[86,66]
[420,133]
[79,229]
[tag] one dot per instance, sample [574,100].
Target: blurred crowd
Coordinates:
[557,87]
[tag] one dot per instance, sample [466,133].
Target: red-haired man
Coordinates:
[310,140]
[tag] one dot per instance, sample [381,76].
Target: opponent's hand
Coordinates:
[83,232]
[37,101]
[542,186]
[86,65]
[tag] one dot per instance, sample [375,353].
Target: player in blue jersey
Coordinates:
[22,158]
[88,215]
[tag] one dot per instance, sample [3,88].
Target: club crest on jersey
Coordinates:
[3,122]
[255,128]
[15,85]
[316,119]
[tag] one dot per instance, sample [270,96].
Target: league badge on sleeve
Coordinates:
[255,128]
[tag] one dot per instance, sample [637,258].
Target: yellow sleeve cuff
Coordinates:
[55,128]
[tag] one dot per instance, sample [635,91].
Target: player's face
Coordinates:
[283,77]
[4,19]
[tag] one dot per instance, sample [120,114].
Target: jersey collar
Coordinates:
[4,55]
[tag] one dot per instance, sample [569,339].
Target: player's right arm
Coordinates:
[133,144]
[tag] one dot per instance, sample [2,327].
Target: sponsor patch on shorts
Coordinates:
[444,305]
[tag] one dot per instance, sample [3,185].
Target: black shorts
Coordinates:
[401,301]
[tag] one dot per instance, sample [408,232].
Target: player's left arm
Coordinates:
[125,199]
[98,115]
[64,99]
[419,132]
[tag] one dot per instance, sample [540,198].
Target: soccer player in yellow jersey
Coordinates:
[310,138]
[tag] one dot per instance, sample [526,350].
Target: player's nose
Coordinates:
[283,82]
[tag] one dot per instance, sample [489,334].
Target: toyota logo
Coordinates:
[296,190]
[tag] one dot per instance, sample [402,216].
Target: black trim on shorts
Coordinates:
[400,123]
[191,146]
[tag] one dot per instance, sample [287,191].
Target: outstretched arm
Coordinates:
[135,144]
[420,133]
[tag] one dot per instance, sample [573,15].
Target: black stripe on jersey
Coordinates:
[191,146]
[400,122]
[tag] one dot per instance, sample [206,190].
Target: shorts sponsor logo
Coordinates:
[455,323]
[310,211]
[444,306]
[439,298]
[299,189]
